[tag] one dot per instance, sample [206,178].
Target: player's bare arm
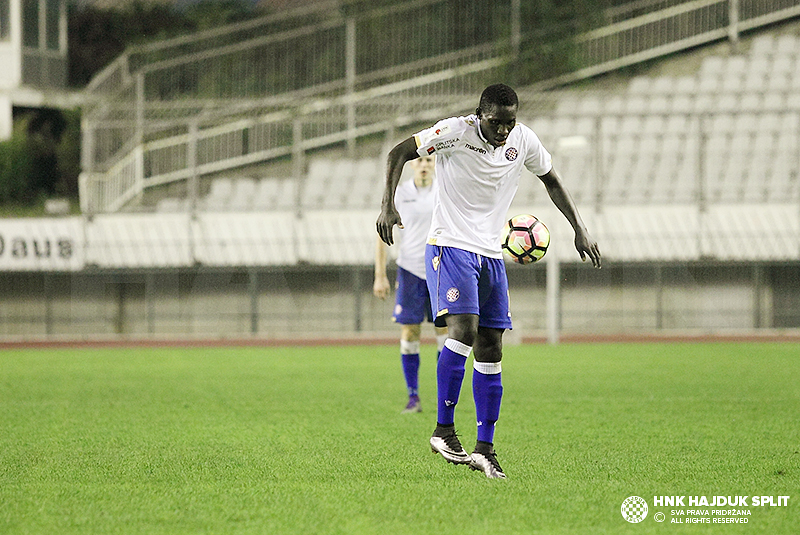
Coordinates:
[584,243]
[389,217]
[380,287]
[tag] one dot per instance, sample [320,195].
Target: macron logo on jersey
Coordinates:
[475,149]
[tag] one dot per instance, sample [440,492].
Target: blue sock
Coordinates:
[411,371]
[487,389]
[449,376]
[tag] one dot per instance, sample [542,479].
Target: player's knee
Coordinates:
[410,333]
[463,328]
[489,345]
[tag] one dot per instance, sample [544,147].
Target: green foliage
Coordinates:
[42,157]
[16,165]
[311,440]
[98,35]
[68,156]
[208,14]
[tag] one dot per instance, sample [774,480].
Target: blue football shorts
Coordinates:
[461,282]
[412,301]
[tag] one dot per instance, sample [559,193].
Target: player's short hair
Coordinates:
[498,95]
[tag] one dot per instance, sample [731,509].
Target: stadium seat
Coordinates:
[712,67]
[631,124]
[636,104]
[615,104]
[732,82]
[736,65]
[286,194]
[659,103]
[244,190]
[755,81]
[762,45]
[662,85]
[722,123]
[726,103]
[589,105]
[750,102]
[745,123]
[654,124]
[676,124]
[783,64]
[758,67]
[639,84]
[265,197]
[682,103]
[219,194]
[709,84]
[704,102]
[563,127]
[585,126]
[786,44]
[685,85]
[778,82]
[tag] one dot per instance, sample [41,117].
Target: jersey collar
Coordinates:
[480,134]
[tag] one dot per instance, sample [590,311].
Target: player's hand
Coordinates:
[386,221]
[587,246]
[381,288]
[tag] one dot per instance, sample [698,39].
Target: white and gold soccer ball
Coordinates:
[525,239]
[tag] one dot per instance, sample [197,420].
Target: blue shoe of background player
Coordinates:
[414,405]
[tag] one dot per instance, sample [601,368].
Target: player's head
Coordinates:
[423,168]
[497,113]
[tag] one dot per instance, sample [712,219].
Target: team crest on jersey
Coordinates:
[453,294]
[511,154]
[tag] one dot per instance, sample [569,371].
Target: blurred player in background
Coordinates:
[414,201]
[479,160]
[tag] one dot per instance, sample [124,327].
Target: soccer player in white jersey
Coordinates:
[479,160]
[414,201]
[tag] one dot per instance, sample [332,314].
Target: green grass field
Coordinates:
[311,440]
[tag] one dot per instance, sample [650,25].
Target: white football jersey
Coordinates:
[476,182]
[415,206]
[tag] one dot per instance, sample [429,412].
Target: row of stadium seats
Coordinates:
[593,105]
[639,160]
[769,44]
[730,133]
[330,184]
[347,237]
[730,82]
[240,194]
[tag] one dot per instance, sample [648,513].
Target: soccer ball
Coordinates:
[525,239]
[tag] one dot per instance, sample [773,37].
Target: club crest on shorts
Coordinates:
[452,294]
[511,154]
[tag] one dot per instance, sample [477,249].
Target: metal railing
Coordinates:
[202,112]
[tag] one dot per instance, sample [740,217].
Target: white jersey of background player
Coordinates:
[415,205]
[414,199]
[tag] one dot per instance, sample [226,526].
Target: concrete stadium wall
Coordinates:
[337,302]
